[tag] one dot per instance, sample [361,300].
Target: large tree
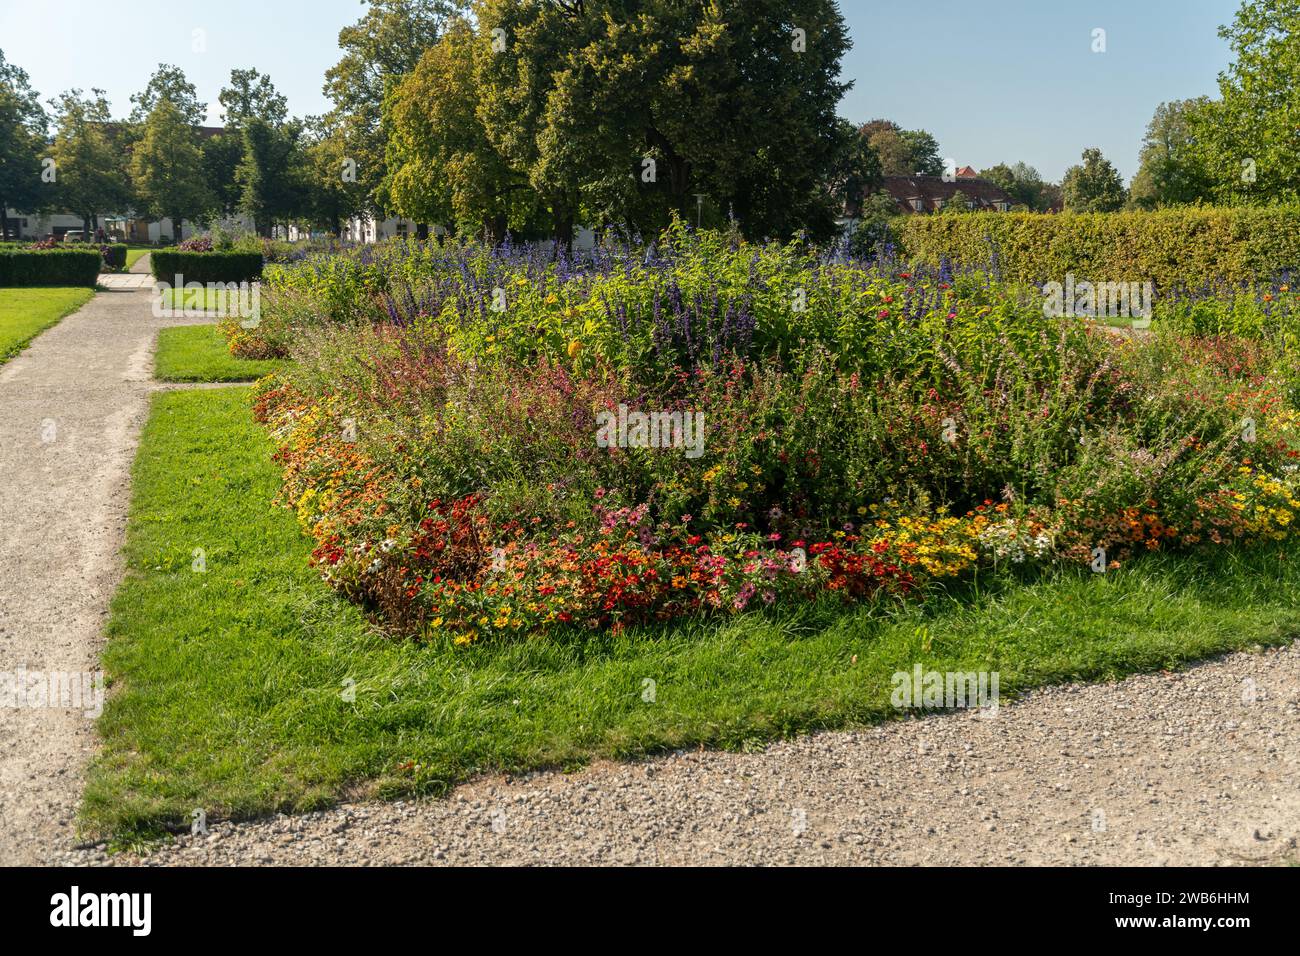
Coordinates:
[441,165]
[1249,140]
[89,166]
[167,168]
[169,83]
[251,94]
[639,110]
[1024,184]
[23,128]
[1171,169]
[1093,186]
[382,47]
[271,176]
[903,152]
[333,193]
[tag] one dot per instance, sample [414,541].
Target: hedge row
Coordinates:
[1172,247]
[53,267]
[206,266]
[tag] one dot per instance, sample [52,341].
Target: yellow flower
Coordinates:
[574,348]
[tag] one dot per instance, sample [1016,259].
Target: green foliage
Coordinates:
[1171,168]
[1249,140]
[1172,247]
[903,152]
[49,267]
[1095,186]
[166,265]
[114,255]
[378,50]
[23,126]
[251,94]
[722,108]
[878,228]
[1023,184]
[167,169]
[89,164]
[170,85]
[270,175]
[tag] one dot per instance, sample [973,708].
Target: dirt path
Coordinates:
[71,408]
[1196,767]
[141,265]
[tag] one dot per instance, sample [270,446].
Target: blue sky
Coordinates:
[994,80]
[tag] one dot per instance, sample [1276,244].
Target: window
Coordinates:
[1002,207]
[918,205]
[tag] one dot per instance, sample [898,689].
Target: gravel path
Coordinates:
[71,408]
[1196,767]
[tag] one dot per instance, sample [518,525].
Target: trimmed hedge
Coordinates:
[1170,247]
[206,266]
[52,267]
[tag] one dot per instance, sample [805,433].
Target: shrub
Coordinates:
[1173,248]
[206,266]
[54,267]
[114,255]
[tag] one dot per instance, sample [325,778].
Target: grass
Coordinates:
[26,313]
[246,687]
[199,353]
[202,300]
[134,255]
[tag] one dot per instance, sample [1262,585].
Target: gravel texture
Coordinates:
[1199,767]
[71,409]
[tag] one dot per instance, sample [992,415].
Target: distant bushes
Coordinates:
[206,266]
[114,255]
[1174,248]
[53,267]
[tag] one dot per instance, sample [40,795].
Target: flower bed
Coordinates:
[867,432]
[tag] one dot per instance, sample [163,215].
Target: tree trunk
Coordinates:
[564,233]
[4,221]
[85,227]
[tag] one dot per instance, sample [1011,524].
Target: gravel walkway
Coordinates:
[71,408]
[1196,767]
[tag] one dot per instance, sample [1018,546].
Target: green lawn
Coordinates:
[231,664]
[202,300]
[25,313]
[199,353]
[134,255]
